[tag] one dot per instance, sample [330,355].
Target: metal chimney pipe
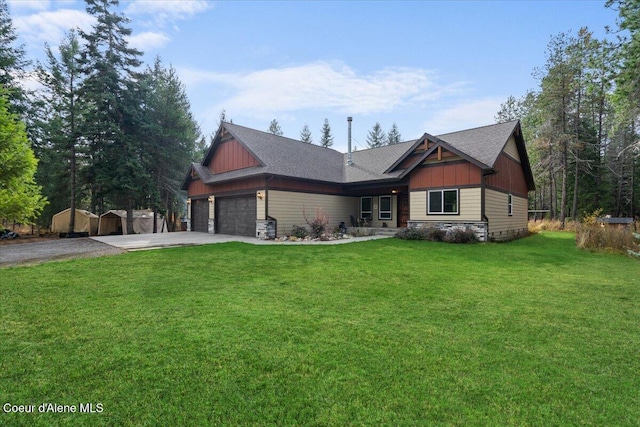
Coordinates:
[349,157]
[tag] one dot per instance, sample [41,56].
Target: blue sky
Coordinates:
[429,66]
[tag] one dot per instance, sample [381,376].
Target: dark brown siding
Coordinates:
[445,175]
[197,188]
[287,184]
[509,177]
[231,155]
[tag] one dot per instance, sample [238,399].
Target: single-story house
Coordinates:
[115,222]
[84,222]
[251,181]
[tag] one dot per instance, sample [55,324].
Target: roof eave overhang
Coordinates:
[524,157]
[187,179]
[407,153]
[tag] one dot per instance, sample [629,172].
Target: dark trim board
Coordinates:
[445,187]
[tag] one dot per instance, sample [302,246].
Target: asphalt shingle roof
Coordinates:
[288,157]
[370,164]
[484,143]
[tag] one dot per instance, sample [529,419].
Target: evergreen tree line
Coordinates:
[109,132]
[582,123]
[375,138]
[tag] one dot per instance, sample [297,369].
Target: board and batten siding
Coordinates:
[501,225]
[469,206]
[287,208]
[231,155]
[511,149]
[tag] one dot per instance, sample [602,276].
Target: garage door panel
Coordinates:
[236,215]
[200,215]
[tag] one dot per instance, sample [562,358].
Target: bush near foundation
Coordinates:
[299,232]
[433,234]
[458,235]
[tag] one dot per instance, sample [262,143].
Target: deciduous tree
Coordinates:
[20,198]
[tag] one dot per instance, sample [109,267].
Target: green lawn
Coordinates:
[388,332]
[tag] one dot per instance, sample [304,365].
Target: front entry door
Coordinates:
[403,209]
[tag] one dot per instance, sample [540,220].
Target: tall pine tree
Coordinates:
[112,98]
[376,137]
[326,138]
[274,128]
[13,62]
[171,139]
[60,140]
[394,136]
[305,135]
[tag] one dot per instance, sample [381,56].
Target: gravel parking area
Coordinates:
[43,251]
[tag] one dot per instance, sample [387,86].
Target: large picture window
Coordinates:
[385,207]
[442,202]
[366,208]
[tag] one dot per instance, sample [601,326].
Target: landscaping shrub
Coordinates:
[299,232]
[435,234]
[318,225]
[458,235]
[432,234]
[411,234]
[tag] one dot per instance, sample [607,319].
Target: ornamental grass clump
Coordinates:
[614,239]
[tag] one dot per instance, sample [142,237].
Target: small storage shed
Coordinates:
[616,222]
[115,222]
[85,222]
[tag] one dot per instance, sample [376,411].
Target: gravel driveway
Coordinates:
[37,252]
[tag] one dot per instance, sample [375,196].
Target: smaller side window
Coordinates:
[442,202]
[385,207]
[366,208]
[510,204]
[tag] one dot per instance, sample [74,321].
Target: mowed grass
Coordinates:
[388,332]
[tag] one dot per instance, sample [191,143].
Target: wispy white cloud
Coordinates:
[149,40]
[464,115]
[50,26]
[168,11]
[24,5]
[323,86]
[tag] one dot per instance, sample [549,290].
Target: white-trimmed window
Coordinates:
[366,207]
[385,204]
[510,204]
[442,202]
